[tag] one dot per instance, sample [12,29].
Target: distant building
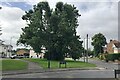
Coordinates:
[22,51]
[37,55]
[112,47]
[5,50]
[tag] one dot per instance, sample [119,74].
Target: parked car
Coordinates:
[13,56]
[17,56]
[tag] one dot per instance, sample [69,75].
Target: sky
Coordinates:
[96,17]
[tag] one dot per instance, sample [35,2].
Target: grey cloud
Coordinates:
[11,23]
[100,19]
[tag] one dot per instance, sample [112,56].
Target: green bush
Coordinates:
[112,57]
[101,56]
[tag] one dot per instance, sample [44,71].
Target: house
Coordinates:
[23,52]
[5,50]
[112,47]
[37,55]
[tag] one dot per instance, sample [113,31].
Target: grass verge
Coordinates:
[13,65]
[55,64]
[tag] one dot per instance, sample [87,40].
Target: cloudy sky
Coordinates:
[97,17]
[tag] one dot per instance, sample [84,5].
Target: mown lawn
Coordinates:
[55,64]
[13,65]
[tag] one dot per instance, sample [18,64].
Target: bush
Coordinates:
[112,57]
[101,56]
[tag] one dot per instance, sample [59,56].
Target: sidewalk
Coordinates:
[43,70]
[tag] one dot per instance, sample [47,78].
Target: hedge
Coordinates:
[112,57]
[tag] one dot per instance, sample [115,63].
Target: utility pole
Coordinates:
[84,50]
[10,46]
[87,49]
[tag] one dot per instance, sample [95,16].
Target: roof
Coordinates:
[117,45]
[115,42]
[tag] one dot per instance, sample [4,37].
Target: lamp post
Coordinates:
[84,51]
[49,52]
[49,61]
[10,46]
[87,49]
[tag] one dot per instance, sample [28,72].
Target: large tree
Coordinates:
[98,41]
[53,29]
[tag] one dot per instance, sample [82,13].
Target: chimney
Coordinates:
[110,40]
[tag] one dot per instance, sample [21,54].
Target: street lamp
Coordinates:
[49,61]
[11,39]
[84,50]
[10,46]
[49,53]
[87,49]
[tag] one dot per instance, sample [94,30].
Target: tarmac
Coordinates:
[42,70]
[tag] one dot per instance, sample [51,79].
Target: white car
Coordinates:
[17,56]
[13,56]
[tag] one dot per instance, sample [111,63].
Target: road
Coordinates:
[68,74]
[103,64]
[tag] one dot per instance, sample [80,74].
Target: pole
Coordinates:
[50,38]
[49,64]
[84,50]
[87,49]
[49,59]
[10,49]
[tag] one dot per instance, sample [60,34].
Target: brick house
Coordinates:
[22,52]
[112,47]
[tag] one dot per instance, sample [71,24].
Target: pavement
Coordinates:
[30,71]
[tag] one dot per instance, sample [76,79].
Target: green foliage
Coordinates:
[22,49]
[98,41]
[55,64]
[112,57]
[101,56]
[54,30]
[13,65]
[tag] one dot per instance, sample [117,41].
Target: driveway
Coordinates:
[103,64]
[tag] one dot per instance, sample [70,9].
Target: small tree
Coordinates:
[98,41]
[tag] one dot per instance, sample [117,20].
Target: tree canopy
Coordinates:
[53,29]
[98,41]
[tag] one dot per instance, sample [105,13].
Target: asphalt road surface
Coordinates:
[103,64]
[67,74]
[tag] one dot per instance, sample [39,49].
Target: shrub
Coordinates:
[112,57]
[101,56]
